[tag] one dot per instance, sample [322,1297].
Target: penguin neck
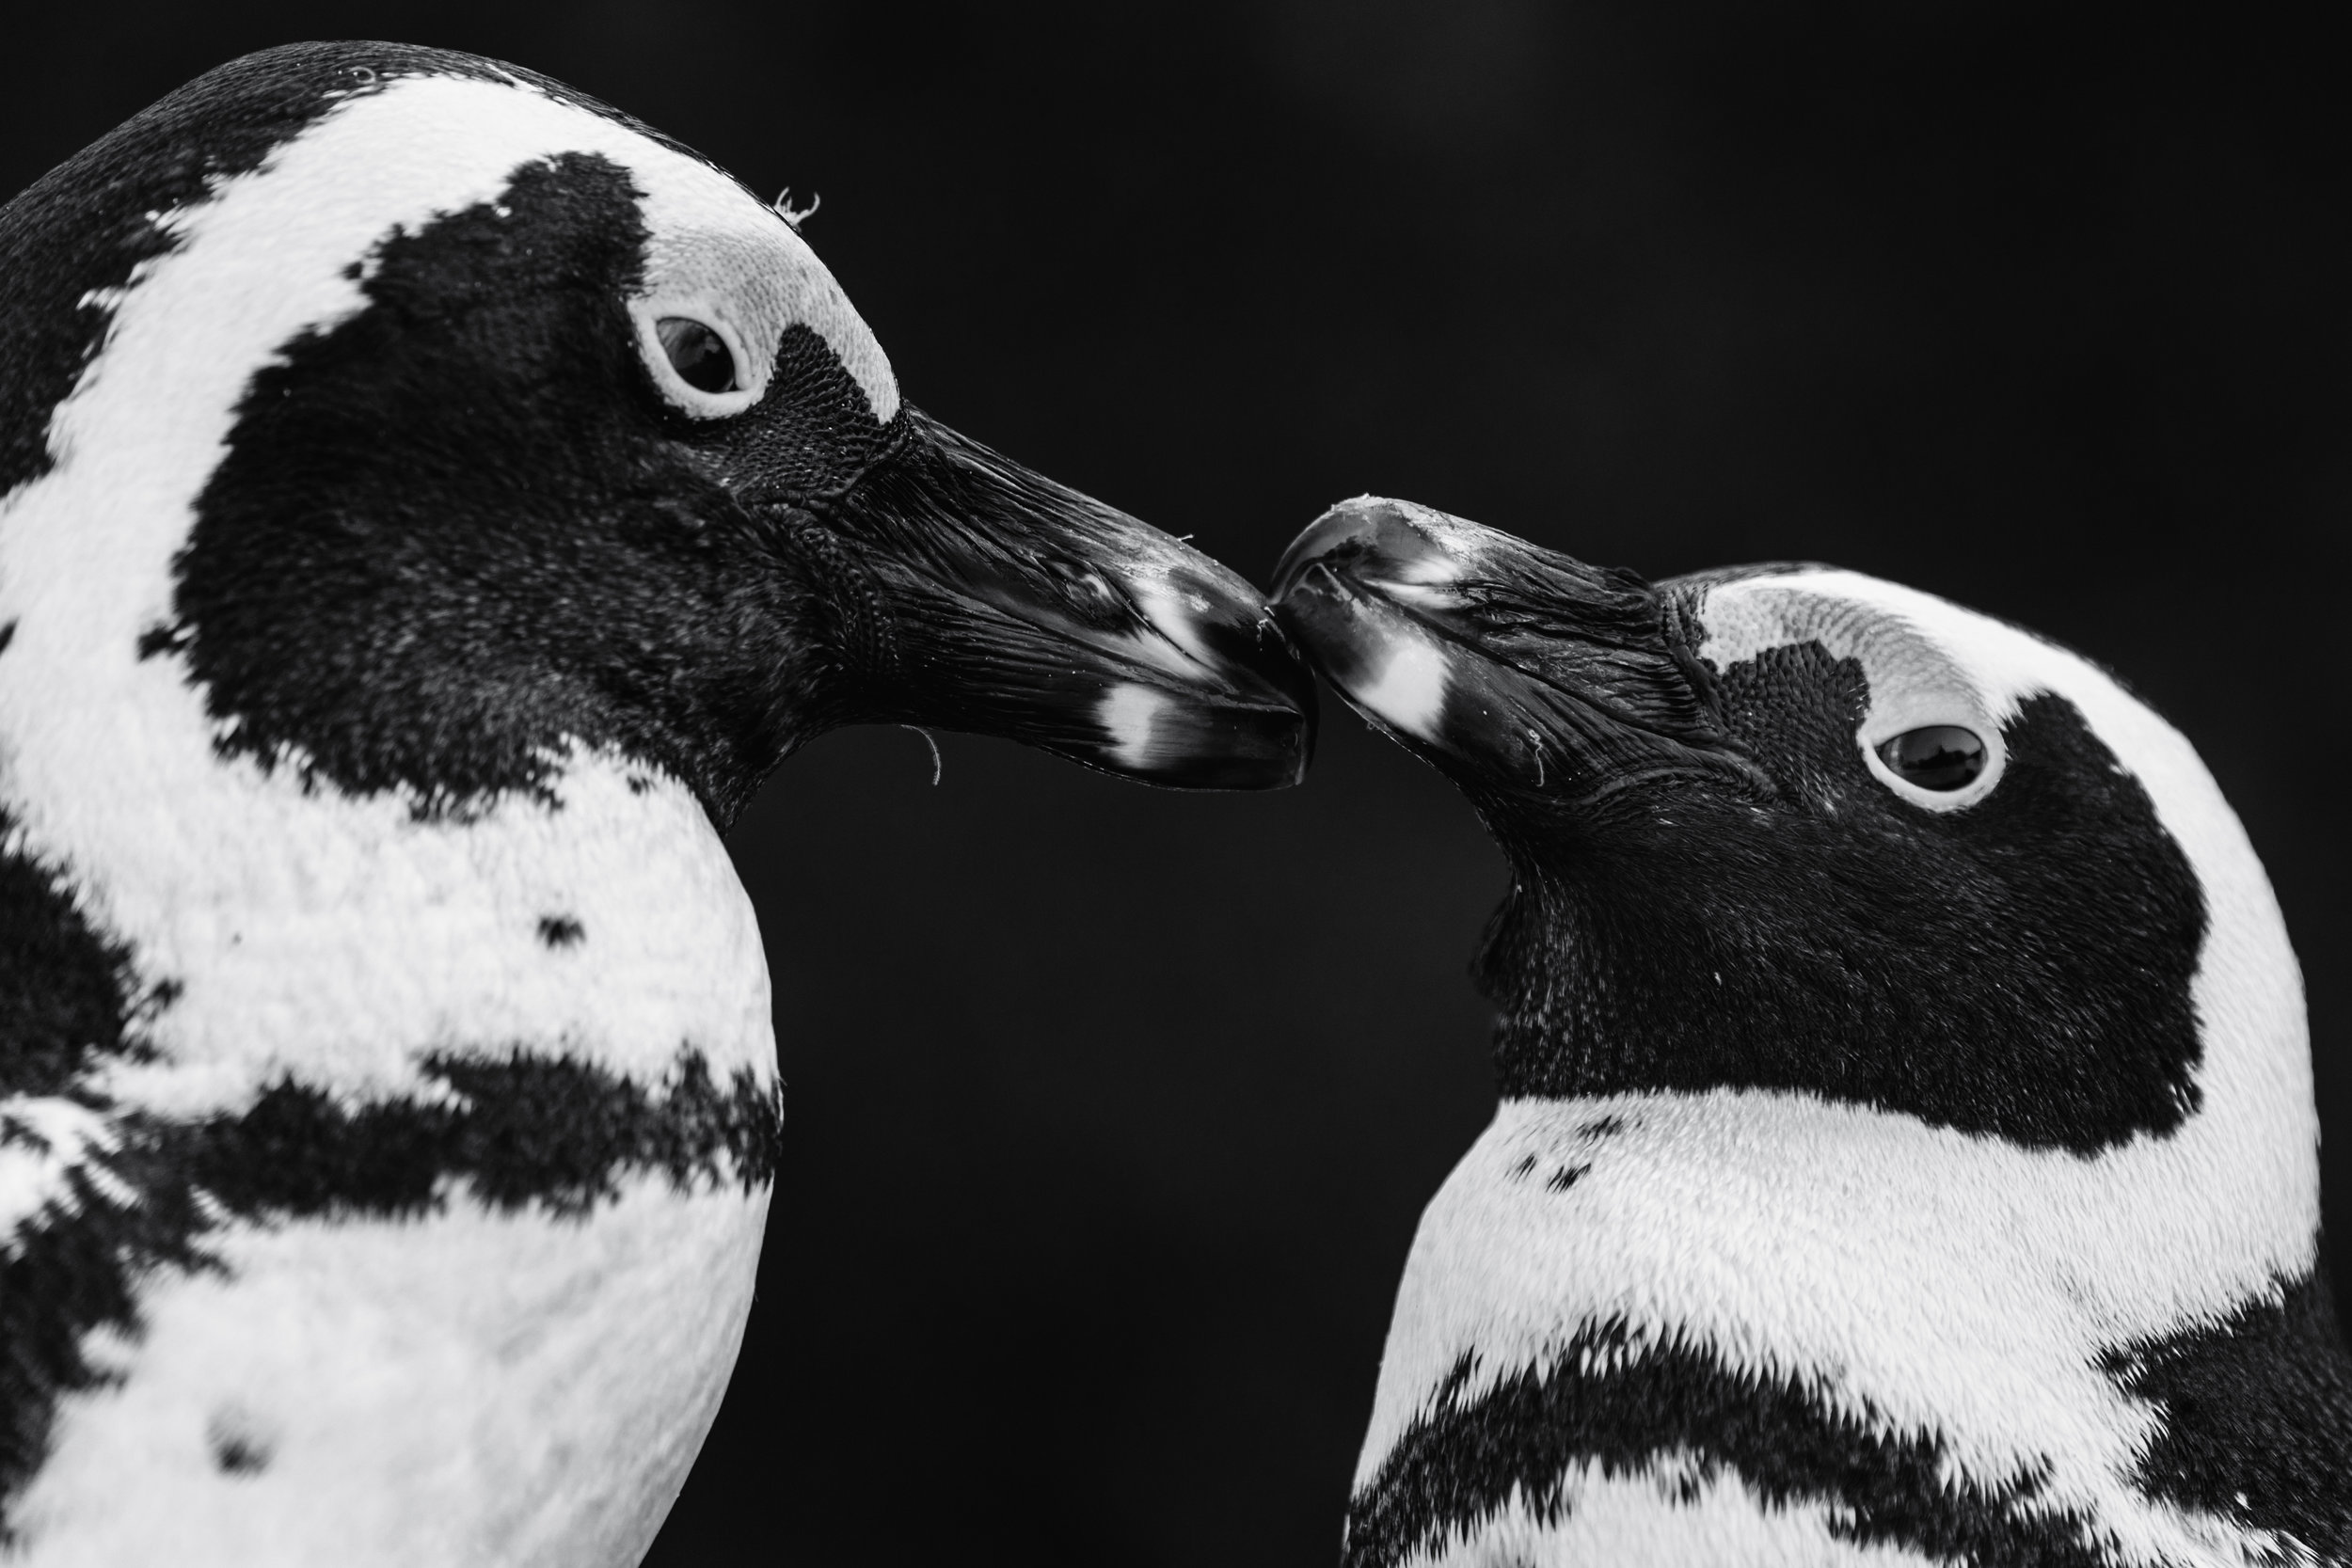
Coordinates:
[1696,954]
[1619,1009]
[272,924]
[1604,985]
[1559,1029]
[461,736]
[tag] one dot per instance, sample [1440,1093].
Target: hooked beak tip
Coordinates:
[1027,610]
[1248,721]
[1390,542]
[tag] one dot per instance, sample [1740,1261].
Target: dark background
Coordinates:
[1112,1111]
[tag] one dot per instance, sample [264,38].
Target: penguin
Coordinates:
[431,502]
[1905,1150]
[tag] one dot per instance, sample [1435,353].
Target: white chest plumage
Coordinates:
[1910,1282]
[476,1382]
[468,1388]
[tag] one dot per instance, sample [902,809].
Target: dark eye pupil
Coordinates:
[697,354]
[1941,756]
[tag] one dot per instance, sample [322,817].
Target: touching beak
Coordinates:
[973,595]
[1507,665]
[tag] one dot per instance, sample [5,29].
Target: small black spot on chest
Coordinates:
[162,638]
[239,1444]
[562,930]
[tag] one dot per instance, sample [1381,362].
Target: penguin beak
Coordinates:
[973,595]
[1507,665]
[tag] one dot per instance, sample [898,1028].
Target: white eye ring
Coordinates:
[1881,728]
[750,371]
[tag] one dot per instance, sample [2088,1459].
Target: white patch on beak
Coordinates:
[1173,613]
[1410,690]
[1131,713]
[1420,595]
[1437,566]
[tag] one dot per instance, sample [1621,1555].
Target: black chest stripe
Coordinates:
[1459,1464]
[2258,1418]
[520,1130]
[553,1131]
[557,1133]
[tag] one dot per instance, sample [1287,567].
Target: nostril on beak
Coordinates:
[1372,538]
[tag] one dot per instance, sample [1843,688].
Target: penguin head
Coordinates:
[434,419]
[1789,827]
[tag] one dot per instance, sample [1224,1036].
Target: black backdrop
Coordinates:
[1112,1111]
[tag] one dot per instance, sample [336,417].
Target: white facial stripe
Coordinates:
[267,258]
[716,253]
[1928,661]
[336,938]
[1174,612]
[1409,692]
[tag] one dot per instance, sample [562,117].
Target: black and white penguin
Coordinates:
[430,503]
[1906,1150]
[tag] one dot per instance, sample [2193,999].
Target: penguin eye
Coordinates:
[1940,756]
[698,355]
